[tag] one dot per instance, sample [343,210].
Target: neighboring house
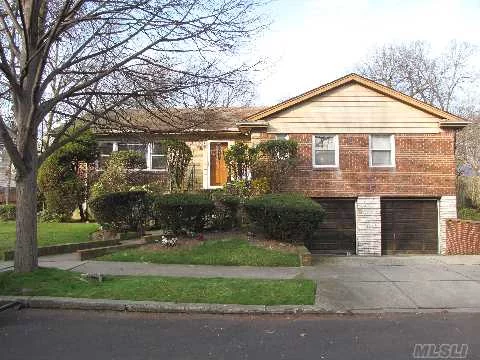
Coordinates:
[381,162]
[7,181]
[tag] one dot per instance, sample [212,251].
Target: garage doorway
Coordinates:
[409,226]
[336,234]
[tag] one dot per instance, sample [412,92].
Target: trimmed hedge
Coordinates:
[8,212]
[122,210]
[285,217]
[225,214]
[182,211]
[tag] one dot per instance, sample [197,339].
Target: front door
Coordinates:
[218,168]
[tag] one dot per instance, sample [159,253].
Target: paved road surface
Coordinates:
[48,334]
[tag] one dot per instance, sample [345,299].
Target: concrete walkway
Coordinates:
[390,283]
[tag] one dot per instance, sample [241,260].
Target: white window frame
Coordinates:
[148,155]
[392,151]
[337,152]
[286,136]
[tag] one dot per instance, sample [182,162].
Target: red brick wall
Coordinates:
[425,166]
[463,237]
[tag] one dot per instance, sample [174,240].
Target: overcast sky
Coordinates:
[311,42]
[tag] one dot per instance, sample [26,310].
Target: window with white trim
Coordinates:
[158,156]
[281,137]
[325,151]
[155,153]
[105,149]
[382,151]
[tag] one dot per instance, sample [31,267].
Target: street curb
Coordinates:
[47,302]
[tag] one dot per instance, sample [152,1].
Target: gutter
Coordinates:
[454,124]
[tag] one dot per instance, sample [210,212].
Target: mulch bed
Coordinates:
[185,242]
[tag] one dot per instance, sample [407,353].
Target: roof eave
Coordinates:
[251,124]
[454,124]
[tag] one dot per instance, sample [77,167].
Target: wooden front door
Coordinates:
[218,169]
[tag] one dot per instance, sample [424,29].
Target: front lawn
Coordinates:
[53,282]
[212,252]
[48,234]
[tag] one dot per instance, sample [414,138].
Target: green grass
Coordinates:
[469,214]
[212,252]
[53,282]
[48,234]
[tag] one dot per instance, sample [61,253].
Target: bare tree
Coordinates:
[69,64]
[443,81]
[468,150]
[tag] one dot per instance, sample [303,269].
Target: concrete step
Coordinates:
[88,254]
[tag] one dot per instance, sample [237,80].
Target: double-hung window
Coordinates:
[325,152]
[138,147]
[281,137]
[158,156]
[105,149]
[155,153]
[382,151]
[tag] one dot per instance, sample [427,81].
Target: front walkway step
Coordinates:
[96,252]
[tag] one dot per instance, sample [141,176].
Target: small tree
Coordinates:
[468,150]
[63,177]
[276,160]
[61,188]
[239,159]
[179,156]
[121,173]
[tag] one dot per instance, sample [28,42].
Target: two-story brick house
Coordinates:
[381,163]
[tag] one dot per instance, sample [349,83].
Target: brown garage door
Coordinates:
[337,231]
[409,226]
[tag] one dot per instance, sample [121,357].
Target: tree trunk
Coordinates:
[26,258]
[81,212]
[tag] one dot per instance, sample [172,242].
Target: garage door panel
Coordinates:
[337,231]
[409,226]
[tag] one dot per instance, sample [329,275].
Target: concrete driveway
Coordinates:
[397,283]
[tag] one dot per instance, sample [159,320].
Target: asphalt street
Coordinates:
[61,334]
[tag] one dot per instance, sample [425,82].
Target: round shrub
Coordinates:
[8,212]
[121,211]
[182,211]
[285,217]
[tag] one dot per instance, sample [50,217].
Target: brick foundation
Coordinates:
[462,237]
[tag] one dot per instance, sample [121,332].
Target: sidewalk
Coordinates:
[344,284]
